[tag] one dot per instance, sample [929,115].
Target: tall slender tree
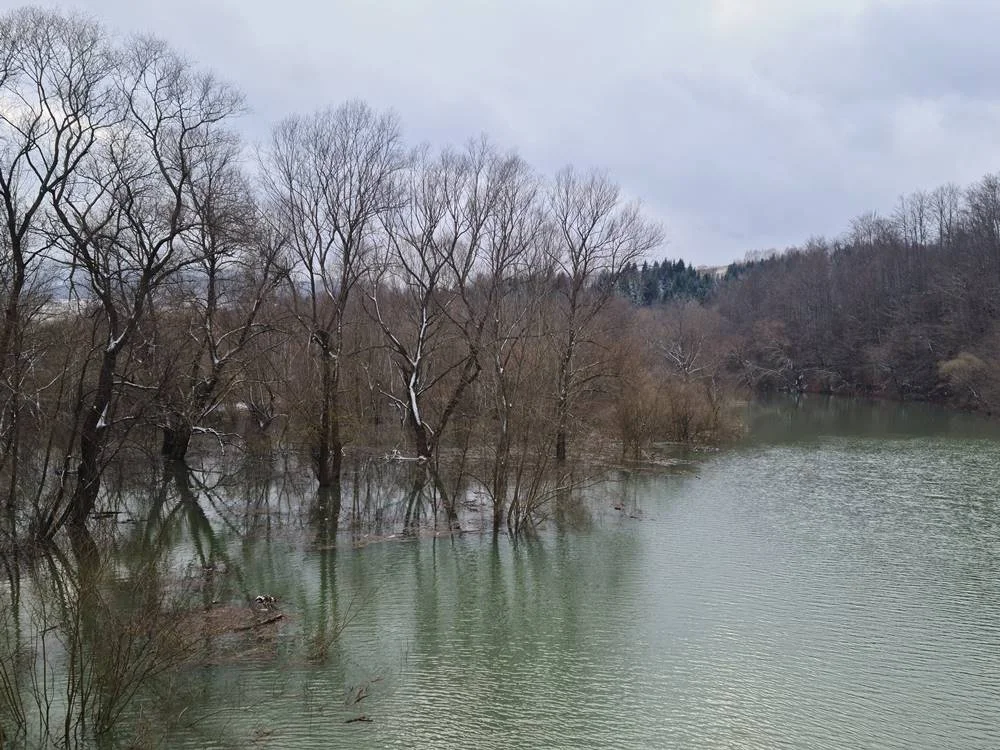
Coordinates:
[330,179]
[598,236]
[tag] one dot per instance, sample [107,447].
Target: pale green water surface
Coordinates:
[833,582]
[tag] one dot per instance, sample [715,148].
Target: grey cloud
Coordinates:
[742,125]
[935,49]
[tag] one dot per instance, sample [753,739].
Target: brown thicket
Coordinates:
[164,287]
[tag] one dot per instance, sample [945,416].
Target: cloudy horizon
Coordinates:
[741,126]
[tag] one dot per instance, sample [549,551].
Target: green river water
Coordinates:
[831,582]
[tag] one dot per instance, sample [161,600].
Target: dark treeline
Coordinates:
[665,281]
[163,283]
[903,306]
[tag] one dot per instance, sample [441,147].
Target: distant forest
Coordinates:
[904,305]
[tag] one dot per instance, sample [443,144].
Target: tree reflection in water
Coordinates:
[105,633]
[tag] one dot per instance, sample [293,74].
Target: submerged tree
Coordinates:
[56,97]
[122,224]
[330,180]
[205,323]
[516,279]
[454,251]
[598,237]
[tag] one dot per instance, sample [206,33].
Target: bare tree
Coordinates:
[598,236]
[438,250]
[945,212]
[434,246]
[870,230]
[982,208]
[55,98]
[517,278]
[912,218]
[123,223]
[330,179]
[215,313]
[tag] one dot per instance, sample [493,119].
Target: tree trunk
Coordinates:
[325,515]
[498,508]
[562,404]
[10,365]
[414,500]
[179,429]
[328,447]
[11,317]
[336,443]
[93,438]
[422,441]
[447,498]
[176,440]
[500,478]
[561,444]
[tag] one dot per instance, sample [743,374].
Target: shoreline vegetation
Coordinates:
[166,283]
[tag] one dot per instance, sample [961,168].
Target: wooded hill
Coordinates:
[904,305]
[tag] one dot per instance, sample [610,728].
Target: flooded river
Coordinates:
[831,582]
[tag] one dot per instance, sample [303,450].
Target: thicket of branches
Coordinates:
[904,305]
[334,286]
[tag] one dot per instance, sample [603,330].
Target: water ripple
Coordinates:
[841,593]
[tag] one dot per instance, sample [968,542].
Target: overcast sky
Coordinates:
[741,124]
